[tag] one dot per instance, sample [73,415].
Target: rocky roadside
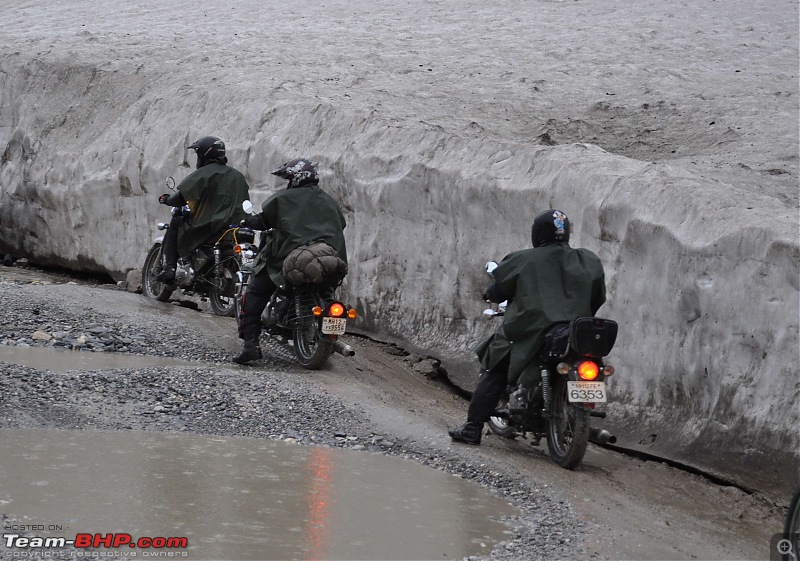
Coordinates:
[216,398]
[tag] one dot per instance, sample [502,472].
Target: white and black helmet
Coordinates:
[299,172]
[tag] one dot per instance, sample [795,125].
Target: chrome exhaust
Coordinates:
[342,349]
[601,436]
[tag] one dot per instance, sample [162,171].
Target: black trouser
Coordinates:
[254,300]
[170,243]
[488,392]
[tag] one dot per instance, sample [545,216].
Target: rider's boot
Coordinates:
[166,276]
[469,433]
[250,352]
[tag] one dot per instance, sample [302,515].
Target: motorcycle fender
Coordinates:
[158,240]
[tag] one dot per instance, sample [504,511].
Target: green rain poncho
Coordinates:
[544,285]
[299,215]
[214,193]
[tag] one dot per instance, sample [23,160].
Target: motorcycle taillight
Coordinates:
[588,370]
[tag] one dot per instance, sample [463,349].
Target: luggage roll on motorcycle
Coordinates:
[573,382]
[211,271]
[304,311]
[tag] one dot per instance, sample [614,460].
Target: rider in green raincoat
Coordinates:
[214,193]
[300,214]
[550,283]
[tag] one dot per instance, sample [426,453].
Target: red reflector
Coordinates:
[588,370]
[337,310]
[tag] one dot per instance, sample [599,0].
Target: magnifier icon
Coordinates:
[785,548]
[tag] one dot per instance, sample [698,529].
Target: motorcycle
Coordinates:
[307,316]
[789,543]
[572,384]
[210,272]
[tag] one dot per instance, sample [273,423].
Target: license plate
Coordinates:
[586,392]
[333,326]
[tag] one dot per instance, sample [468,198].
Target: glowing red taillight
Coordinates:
[337,310]
[588,370]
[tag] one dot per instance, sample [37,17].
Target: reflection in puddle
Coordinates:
[54,360]
[237,498]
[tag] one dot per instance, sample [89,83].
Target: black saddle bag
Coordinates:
[587,336]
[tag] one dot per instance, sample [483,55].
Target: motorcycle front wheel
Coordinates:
[223,290]
[567,430]
[311,347]
[152,266]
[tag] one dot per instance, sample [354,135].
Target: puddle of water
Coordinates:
[54,360]
[238,498]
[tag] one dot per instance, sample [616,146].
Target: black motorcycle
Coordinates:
[572,384]
[211,271]
[789,544]
[308,316]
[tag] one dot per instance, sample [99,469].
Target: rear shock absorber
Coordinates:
[546,389]
[217,261]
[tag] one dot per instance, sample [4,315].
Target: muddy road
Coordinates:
[382,400]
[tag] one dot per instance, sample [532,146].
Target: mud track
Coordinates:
[623,507]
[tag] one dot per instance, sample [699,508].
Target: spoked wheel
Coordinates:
[567,431]
[311,347]
[791,530]
[223,291]
[500,425]
[152,266]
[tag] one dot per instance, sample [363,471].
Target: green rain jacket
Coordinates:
[544,285]
[215,194]
[299,215]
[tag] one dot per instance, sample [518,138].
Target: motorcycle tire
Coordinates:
[310,346]
[152,266]
[222,296]
[501,426]
[791,528]
[567,430]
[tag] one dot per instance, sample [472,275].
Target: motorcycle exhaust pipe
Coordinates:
[342,349]
[601,436]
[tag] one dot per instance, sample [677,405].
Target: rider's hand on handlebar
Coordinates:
[163,198]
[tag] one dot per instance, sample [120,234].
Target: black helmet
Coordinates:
[209,149]
[299,172]
[550,226]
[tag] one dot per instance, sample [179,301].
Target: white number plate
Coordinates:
[586,392]
[334,326]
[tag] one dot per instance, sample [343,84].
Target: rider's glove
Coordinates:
[163,198]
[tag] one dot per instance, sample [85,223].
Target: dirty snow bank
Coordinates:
[702,274]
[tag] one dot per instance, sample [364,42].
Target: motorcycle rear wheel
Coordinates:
[152,266]
[311,347]
[223,290]
[791,529]
[567,430]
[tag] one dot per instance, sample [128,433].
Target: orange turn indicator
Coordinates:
[588,370]
[352,314]
[316,310]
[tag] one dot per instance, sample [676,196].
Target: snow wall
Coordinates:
[704,287]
